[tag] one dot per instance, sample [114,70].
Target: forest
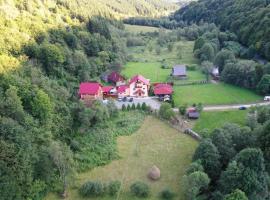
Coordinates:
[248,19]
[46,49]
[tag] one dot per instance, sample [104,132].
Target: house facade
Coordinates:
[139,86]
[123,91]
[90,91]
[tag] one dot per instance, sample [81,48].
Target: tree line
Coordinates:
[233,163]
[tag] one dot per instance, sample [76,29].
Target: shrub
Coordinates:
[144,107]
[114,187]
[138,106]
[166,111]
[167,194]
[124,108]
[133,107]
[90,189]
[183,109]
[128,107]
[140,189]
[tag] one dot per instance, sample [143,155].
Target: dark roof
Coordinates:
[179,70]
[163,89]
[193,115]
[115,77]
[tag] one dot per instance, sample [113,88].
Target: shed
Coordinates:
[179,71]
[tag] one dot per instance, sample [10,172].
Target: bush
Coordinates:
[166,111]
[140,189]
[124,108]
[183,109]
[144,107]
[167,194]
[192,67]
[138,107]
[128,107]
[92,189]
[114,187]
[133,107]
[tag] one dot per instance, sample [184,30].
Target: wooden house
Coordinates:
[179,71]
[90,91]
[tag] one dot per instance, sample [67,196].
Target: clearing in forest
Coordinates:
[155,143]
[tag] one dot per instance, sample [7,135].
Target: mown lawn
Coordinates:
[155,143]
[215,119]
[154,72]
[213,94]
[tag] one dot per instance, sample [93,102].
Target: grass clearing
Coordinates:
[155,143]
[213,94]
[215,119]
[143,54]
[140,29]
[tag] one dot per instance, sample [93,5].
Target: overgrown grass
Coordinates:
[210,120]
[98,147]
[155,143]
[213,94]
[143,53]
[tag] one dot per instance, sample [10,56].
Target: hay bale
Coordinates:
[154,173]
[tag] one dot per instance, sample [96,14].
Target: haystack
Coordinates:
[154,173]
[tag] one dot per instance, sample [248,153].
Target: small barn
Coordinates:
[179,71]
[192,113]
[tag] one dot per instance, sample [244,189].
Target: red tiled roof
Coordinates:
[115,77]
[163,89]
[107,89]
[122,88]
[139,78]
[89,88]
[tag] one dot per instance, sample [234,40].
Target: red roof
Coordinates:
[107,89]
[122,88]
[89,88]
[163,89]
[139,78]
[115,77]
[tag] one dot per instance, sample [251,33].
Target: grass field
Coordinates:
[155,143]
[154,72]
[142,53]
[210,120]
[139,29]
[213,94]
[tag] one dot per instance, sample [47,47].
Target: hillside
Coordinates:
[46,49]
[249,19]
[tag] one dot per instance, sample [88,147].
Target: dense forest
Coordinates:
[46,49]
[248,19]
[233,163]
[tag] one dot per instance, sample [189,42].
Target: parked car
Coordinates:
[131,99]
[242,108]
[124,99]
[120,99]
[266,98]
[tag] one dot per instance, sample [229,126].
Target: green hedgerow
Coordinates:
[140,189]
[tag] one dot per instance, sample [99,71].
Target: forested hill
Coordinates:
[249,19]
[47,47]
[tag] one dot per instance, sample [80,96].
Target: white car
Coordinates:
[266,98]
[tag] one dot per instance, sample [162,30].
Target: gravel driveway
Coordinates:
[150,101]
